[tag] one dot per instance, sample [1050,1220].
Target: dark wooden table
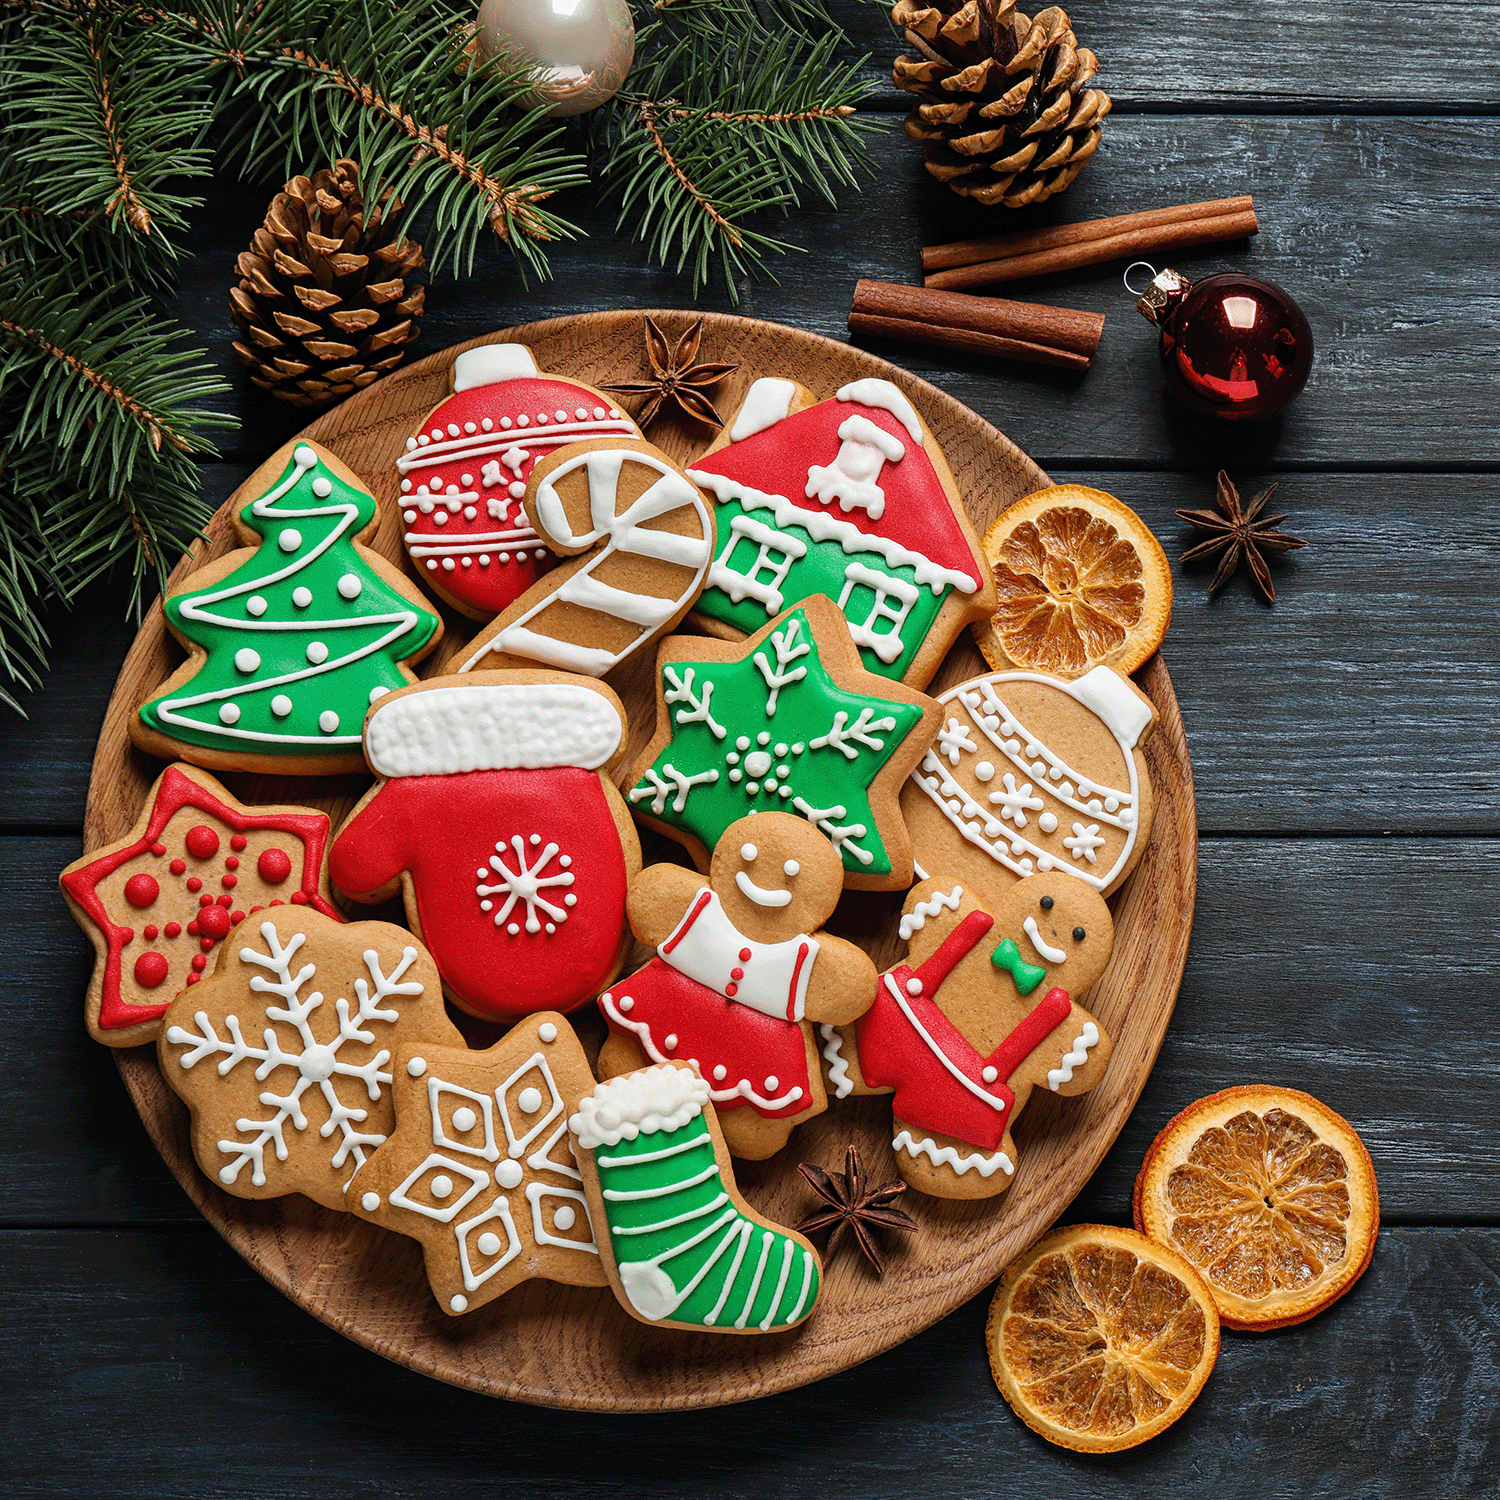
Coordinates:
[1345,750]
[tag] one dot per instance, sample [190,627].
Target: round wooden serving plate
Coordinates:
[564,1346]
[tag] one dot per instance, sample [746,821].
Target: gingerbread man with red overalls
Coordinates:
[980,1014]
[741,974]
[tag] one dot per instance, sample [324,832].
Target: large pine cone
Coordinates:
[1007,116]
[323,301]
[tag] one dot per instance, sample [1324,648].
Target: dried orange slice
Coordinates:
[1272,1197]
[1100,1338]
[1082,584]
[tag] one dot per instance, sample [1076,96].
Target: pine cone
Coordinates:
[323,302]
[1006,116]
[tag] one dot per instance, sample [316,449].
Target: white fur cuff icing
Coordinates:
[492,727]
[655,1099]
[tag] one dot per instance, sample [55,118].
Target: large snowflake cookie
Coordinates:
[681,1247]
[1029,774]
[495,817]
[636,538]
[741,974]
[851,498]
[980,1014]
[291,638]
[788,720]
[284,1053]
[465,470]
[480,1169]
[159,901]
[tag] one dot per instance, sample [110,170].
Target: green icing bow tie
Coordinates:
[1027,976]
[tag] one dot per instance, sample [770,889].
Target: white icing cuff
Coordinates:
[491,363]
[492,727]
[656,1099]
[1107,694]
[766,403]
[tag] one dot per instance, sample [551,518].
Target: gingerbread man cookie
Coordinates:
[980,1014]
[741,974]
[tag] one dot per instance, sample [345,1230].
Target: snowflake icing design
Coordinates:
[525,883]
[1084,842]
[315,1064]
[1015,801]
[953,740]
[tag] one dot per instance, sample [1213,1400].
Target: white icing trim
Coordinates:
[766,403]
[946,1156]
[1108,695]
[885,396]
[838,1064]
[491,363]
[998,1105]
[492,727]
[916,919]
[653,1100]
[1063,1072]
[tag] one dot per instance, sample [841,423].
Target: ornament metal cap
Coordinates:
[1167,289]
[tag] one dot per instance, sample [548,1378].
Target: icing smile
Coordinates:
[759,894]
[1052,955]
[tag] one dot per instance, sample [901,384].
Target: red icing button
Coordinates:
[744,955]
[235,918]
[206,944]
[229,881]
[731,989]
[213,923]
[238,841]
[194,884]
[736,973]
[151,969]
[127,934]
[202,842]
[226,902]
[194,978]
[199,962]
[149,932]
[177,866]
[142,890]
[274,866]
[205,900]
[174,929]
[299,898]
[192,928]
[231,863]
[158,848]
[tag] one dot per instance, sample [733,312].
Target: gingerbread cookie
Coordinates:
[968,1025]
[788,720]
[283,1054]
[479,1168]
[157,902]
[681,1247]
[740,976]
[851,498]
[1030,773]
[495,817]
[291,639]
[465,470]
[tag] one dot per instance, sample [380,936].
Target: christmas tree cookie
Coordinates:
[681,1247]
[291,639]
[787,720]
[851,498]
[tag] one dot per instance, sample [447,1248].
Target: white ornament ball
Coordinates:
[582,49]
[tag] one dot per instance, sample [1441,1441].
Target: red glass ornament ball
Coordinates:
[1236,347]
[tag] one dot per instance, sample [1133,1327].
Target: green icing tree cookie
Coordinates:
[291,642]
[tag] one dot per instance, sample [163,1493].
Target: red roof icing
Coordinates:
[917,511]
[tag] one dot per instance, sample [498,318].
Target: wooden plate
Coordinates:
[561,1346]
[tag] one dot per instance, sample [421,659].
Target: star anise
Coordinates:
[675,378]
[1239,534]
[853,1206]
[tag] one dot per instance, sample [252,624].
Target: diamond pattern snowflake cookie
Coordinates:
[480,1169]
[284,1053]
[787,720]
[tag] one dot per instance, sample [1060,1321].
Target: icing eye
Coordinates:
[1079,934]
[791,867]
[748,852]
[1046,903]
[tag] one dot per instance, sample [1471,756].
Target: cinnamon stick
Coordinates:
[1121,245]
[1059,336]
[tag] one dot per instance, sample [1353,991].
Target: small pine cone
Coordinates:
[1006,115]
[323,303]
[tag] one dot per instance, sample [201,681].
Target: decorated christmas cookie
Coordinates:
[788,720]
[1029,774]
[851,498]
[291,640]
[637,538]
[464,472]
[479,1168]
[158,902]
[981,1013]
[741,973]
[681,1247]
[495,817]
[284,1053]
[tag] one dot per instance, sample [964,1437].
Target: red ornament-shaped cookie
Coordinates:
[464,473]
[495,817]
[158,902]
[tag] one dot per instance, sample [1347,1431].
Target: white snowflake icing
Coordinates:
[841,732]
[681,691]
[315,1063]
[788,648]
[823,818]
[525,883]
[1084,841]
[1014,802]
[953,740]
[670,783]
